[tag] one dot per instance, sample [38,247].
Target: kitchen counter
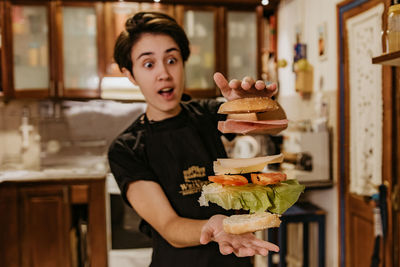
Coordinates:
[51,174]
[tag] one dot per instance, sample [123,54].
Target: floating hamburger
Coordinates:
[241,184]
[257,115]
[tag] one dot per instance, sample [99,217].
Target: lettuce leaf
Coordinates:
[255,198]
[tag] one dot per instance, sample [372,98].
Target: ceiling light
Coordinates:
[264,2]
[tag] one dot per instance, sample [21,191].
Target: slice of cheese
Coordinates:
[219,170]
[244,165]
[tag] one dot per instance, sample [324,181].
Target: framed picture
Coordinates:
[322,41]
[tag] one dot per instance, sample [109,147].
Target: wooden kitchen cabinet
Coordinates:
[115,16]
[202,25]
[53,223]
[44,225]
[224,39]
[54,49]
[64,49]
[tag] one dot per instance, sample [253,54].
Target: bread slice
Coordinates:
[248,105]
[248,223]
[278,114]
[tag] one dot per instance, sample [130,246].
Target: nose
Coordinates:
[163,73]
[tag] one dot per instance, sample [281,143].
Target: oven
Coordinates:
[127,246]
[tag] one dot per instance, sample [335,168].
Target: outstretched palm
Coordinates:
[243,245]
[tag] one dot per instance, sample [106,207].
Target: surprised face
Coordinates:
[159,72]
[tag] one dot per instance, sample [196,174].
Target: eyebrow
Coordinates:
[151,53]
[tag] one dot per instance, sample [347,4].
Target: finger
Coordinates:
[247,83]
[245,252]
[235,84]
[221,81]
[247,244]
[262,251]
[272,87]
[225,248]
[260,85]
[264,244]
[206,235]
[236,244]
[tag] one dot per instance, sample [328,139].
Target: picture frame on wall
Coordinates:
[322,41]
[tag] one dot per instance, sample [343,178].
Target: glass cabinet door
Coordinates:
[116,15]
[79,51]
[30,35]
[200,27]
[242,59]
[1,48]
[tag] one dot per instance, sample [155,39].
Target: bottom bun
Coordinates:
[248,223]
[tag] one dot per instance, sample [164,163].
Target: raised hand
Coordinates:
[245,88]
[243,245]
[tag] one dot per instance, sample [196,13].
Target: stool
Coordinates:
[301,212]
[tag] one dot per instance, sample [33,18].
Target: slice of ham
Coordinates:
[252,127]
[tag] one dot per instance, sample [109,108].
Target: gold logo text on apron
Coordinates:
[193,185]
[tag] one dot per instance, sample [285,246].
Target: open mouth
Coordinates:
[165,92]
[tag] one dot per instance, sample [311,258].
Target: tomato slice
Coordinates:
[267,178]
[228,179]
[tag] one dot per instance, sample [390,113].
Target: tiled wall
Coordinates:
[62,132]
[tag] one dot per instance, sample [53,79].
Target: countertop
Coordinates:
[50,174]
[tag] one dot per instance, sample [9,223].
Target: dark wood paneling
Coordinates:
[9,234]
[97,224]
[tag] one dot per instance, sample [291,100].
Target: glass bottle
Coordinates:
[393,28]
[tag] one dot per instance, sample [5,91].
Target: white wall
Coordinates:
[308,14]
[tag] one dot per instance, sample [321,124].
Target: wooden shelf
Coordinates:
[391,59]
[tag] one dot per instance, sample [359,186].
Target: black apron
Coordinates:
[181,156]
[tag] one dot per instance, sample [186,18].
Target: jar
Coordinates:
[393,28]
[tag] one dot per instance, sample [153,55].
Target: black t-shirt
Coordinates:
[178,154]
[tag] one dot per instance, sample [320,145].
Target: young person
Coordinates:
[162,160]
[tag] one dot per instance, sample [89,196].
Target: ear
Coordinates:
[128,74]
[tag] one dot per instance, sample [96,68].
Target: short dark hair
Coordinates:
[148,22]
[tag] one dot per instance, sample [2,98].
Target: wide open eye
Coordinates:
[171,60]
[148,65]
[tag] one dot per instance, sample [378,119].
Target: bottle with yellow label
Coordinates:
[393,28]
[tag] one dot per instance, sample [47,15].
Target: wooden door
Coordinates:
[359,37]
[44,226]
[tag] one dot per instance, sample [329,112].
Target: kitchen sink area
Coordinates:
[53,174]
